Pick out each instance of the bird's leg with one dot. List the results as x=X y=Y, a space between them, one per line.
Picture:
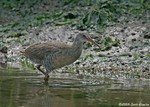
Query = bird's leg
x=46 y=75
x=38 y=67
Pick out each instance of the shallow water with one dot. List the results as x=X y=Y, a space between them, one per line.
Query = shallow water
x=26 y=89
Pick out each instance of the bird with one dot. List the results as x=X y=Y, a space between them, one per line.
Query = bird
x=54 y=55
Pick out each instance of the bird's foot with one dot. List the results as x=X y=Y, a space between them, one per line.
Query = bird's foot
x=46 y=78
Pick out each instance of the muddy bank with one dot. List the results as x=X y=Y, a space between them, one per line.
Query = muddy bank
x=125 y=50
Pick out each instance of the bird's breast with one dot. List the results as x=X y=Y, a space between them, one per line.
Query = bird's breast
x=65 y=59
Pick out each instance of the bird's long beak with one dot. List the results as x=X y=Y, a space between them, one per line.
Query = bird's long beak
x=90 y=40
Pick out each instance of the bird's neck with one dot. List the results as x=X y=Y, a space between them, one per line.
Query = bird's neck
x=76 y=48
x=77 y=45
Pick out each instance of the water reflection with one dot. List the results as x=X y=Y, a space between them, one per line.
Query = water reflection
x=24 y=89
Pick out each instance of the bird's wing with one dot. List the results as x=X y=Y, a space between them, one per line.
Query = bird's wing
x=40 y=50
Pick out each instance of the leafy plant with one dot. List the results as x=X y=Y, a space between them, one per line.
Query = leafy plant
x=108 y=43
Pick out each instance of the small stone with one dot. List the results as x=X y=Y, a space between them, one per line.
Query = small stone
x=3 y=49
x=133 y=40
x=133 y=33
x=70 y=16
x=147 y=36
x=77 y=71
x=141 y=56
x=70 y=37
x=123 y=40
x=78 y=62
x=130 y=55
x=122 y=30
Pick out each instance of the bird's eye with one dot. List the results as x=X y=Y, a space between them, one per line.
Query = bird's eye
x=84 y=36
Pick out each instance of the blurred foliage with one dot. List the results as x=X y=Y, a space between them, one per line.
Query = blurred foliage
x=107 y=43
x=148 y=55
x=102 y=13
x=14 y=35
x=82 y=14
x=26 y=63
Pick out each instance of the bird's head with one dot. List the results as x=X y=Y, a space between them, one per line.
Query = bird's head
x=83 y=37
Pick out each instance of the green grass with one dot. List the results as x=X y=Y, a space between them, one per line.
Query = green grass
x=93 y=15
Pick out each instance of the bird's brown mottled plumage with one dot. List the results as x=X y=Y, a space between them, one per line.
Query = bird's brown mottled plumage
x=53 y=55
x=39 y=51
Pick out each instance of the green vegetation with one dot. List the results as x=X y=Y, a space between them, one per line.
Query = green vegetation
x=27 y=63
x=15 y=35
x=103 y=13
x=82 y=14
x=148 y=55
x=108 y=43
